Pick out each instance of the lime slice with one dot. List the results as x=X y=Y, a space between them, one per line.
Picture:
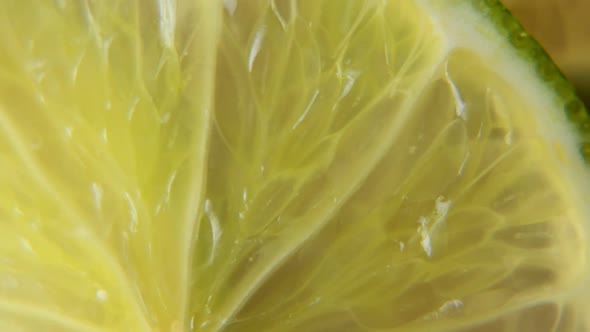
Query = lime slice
x=287 y=166
x=103 y=154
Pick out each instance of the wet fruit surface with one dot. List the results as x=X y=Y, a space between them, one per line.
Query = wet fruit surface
x=286 y=166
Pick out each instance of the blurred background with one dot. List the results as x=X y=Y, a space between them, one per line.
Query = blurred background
x=562 y=27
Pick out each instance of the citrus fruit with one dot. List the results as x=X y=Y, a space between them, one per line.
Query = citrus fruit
x=276 y=165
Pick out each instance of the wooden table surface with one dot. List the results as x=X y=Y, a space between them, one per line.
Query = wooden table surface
x=563 y=29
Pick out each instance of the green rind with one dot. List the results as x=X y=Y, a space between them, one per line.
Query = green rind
x=531 y=51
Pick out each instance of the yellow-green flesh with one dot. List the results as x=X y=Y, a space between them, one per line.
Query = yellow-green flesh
x=281 y=166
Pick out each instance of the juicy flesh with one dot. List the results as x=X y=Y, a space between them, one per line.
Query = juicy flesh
x=272 y=166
